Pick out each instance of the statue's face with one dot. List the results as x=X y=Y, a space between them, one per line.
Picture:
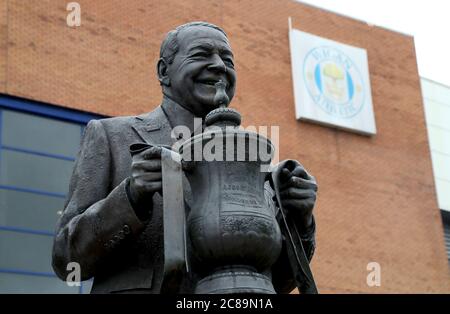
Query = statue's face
x=204 y=57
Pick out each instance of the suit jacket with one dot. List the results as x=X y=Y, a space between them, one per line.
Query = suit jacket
x=99 y=228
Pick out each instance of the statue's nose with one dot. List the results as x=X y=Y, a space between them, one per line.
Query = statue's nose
x=217 y=65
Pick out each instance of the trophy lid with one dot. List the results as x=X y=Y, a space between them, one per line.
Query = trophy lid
x=222 y=116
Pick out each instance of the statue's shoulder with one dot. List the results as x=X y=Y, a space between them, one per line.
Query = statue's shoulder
x=114 y=123
x=122 y=120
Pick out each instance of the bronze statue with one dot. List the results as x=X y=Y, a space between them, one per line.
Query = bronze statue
x=140 y=220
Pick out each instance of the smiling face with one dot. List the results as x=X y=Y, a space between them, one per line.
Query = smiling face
x=204 y=57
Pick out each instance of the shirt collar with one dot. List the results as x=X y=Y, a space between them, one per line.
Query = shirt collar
x=180 y=116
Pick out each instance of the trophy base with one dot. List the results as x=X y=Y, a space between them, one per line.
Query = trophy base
x=233 y=280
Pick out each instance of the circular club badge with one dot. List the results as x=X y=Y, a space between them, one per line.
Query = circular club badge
x=333 y=82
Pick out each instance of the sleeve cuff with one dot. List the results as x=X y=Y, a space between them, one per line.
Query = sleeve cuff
x=143 y=213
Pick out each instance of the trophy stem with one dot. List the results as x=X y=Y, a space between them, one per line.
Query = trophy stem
x=235 y=279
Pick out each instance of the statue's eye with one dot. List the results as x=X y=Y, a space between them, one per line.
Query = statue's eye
x=228 y=61
x=200 y=54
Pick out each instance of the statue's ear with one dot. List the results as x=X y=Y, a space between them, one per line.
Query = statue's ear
x=162 y=68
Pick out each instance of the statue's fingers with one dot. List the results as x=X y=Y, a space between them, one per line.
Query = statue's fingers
x=151 y=186
x=151 y=176
x=151 y=153
x=304 y=183
x=141 y=179
x=155 y=186
x=285 y=175
x=300 y=183
x=300 y=172
x=290 y=204
x=148 y=165
x=295 y=193
x=298 y=205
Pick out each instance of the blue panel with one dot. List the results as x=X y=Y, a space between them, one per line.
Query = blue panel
x=29 y=210
x=20 y=189
x=35 y=172
x=28 y=231
x=28 y=151
x=27 y=251
x=1 y=117
x=43 y=134
x=30 y=259
x=47 y=110
x=26 y=272
x=24 y=282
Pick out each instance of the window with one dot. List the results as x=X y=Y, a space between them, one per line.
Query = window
x=446 y=222
x=437 y=109
x=38 y=147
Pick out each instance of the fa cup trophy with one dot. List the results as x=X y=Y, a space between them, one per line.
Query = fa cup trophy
x=234 y=235
x=227 y=235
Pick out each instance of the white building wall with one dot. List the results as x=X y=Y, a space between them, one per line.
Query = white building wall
x=437 y=111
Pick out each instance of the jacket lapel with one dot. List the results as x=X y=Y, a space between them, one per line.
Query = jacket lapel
x=154 y=128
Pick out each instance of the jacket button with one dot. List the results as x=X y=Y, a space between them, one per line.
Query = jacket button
x=126 y=229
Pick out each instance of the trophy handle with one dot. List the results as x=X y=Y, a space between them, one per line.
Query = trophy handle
x=174 y=221
x=174 y=217
x=297 y=258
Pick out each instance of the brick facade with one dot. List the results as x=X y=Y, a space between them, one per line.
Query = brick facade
x=376 y=200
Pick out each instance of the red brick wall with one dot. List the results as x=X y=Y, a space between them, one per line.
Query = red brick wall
x=3 y=45
x=376 y=195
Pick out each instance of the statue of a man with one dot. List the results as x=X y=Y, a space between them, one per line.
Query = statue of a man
x=112 y=221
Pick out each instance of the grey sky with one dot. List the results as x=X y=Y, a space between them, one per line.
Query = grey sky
x=428 y=21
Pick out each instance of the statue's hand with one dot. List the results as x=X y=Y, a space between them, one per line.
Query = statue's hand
x=146 y=177
x=298 y=194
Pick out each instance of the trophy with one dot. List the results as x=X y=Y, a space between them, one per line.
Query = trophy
x=233 y=233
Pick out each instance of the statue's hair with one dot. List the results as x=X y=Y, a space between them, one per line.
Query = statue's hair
x=169 y=46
